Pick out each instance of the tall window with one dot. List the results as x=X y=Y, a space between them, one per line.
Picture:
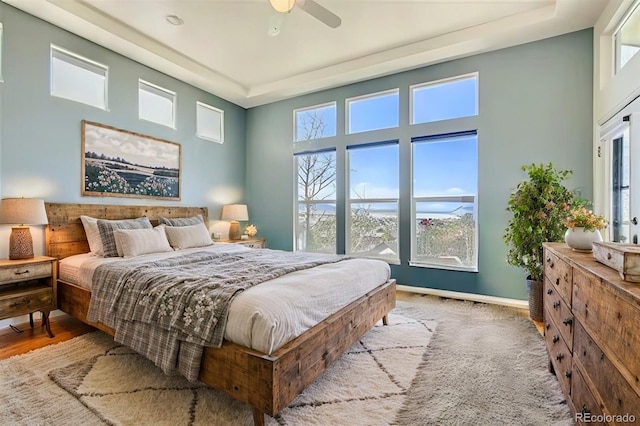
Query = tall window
x=315 y=122
x=620 y=214
x=209 y=122
x=372 y=221
x=316 y=201
x=374 y=111
x=78 y=79
x=156 y=104
x=627 y=37
x=444 y=99
x=445 y=187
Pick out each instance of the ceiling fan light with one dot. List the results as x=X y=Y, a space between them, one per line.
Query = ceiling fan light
x=282 y=6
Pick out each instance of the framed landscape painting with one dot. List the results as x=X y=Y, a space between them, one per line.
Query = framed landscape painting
x=120 y=163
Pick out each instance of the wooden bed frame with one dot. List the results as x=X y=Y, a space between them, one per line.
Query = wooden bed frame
x=266 y=382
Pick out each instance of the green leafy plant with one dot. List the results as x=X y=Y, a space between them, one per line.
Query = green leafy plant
x=581 y=217
x=539 y=206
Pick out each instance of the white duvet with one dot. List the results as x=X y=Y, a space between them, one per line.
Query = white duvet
x=270 y=314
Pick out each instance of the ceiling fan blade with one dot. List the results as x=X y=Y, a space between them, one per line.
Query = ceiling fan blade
x=319 y=12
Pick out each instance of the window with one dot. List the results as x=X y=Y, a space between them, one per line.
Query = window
x=156 y=104
x=444 y=99
x=209 y=123
x=78 y=79
x=372 y=220
x=315 y=122
x=375 y=111
x=620 y=208
x=627 y=37
x=316 y=201
x=445 y=185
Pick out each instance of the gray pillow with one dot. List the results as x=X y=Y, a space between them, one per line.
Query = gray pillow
x=106 y=228
x=181 y=221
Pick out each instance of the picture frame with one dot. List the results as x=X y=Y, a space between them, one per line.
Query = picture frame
x=122 y=163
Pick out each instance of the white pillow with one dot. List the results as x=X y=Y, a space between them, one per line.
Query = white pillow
x=183 y=237
x=134 y=242
x=90 y=225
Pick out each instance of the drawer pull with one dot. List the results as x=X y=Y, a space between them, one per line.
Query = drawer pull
x=556 y=304
x=24 y=301
x=551 y=264
x=557 y=281
x=608 y=256
x=585 y=410
x=567 y=374
x=567 y=321
x=555 y=339
x=549 y=291
x=559 y=357
x=26 y=271
x=547 y=325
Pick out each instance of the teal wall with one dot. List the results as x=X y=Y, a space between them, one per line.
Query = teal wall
x=535 y=104
x=40 y=134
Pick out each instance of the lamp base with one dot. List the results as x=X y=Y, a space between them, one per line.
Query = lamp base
x=20 y=243
x=234 y=230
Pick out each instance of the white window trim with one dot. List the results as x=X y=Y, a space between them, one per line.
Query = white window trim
x=84 y=61
x=218 y=110
x=1 y=52
x=616 y=40
x=309 y=108
x=166 y=93
x=347 y=101
x=442 y=82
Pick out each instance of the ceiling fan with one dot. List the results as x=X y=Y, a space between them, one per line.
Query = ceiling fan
x=314 y=9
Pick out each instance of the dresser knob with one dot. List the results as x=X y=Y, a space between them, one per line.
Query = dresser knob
x=559 y=357
x=585 y=410
x=567 y=374
x=556 y=304
x=557 y=281
x=549 y=291
x=567 y=321
x=555 y=339
x=547 y=325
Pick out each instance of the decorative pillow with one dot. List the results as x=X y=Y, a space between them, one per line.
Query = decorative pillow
x=183 y=237
x=90 y=225
x=106 y=228
x=134 y=242
x=181 y=221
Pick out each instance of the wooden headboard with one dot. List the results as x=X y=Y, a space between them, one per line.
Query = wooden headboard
x=65 y=234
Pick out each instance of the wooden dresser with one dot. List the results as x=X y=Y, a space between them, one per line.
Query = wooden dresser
x=592 y=332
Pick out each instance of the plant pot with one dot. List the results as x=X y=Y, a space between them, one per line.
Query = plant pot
x=534 y=289
x=580 y=240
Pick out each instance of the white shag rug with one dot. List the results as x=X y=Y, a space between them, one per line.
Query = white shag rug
x=383 y=379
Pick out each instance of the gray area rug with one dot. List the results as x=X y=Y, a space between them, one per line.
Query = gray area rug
x=438 y=362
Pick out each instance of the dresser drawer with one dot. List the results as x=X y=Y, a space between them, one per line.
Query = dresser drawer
x=12 y=274
x=587 y=409
x=26 y=301
x=559 y=354
x=559 y=273
x=557 y=311
x=614 y=391
x=612 y=323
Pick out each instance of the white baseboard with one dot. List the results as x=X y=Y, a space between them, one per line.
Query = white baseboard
x=503 y=301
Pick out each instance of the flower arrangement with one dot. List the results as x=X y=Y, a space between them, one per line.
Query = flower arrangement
x=580 y=217
x=251 y=230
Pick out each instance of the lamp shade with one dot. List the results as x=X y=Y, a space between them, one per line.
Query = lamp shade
x=282 y=5
x=23 y=211
x=235 y=212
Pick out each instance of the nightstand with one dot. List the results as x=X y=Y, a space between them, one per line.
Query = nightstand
x=259 y=243
x=28 y=286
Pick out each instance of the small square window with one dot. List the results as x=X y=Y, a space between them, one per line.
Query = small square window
x=78 y=79
x=375 y=111
x=444 y=99
x=209 y=123
x=156 y=104
x=316 y=122
x=627 y=37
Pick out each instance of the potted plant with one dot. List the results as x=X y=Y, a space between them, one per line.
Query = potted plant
x=539 y=206
x=583 y=226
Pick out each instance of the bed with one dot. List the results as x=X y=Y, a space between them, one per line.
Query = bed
x=267 y=382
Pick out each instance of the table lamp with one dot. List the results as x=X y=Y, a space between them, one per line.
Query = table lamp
x=22 y=212
x=234 y=213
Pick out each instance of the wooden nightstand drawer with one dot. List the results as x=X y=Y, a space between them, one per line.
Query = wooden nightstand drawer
x=27 y=300
x=12 y=274
x=559 y=273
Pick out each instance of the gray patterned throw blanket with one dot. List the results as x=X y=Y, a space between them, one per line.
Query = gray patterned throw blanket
x=169 y=309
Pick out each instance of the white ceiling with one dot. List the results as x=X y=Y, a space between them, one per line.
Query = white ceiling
x=223 y=46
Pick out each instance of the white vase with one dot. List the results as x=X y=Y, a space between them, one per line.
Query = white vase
x=581 y=240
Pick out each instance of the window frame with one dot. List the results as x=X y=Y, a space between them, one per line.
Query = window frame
x=441 y=82
x=349 y=201
x=461 y=198
x=79 y=61
x=199 y=134
x=1 y=52
x=161 y=92
x=347 y=111
x=310 y=108
x=617 y=45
